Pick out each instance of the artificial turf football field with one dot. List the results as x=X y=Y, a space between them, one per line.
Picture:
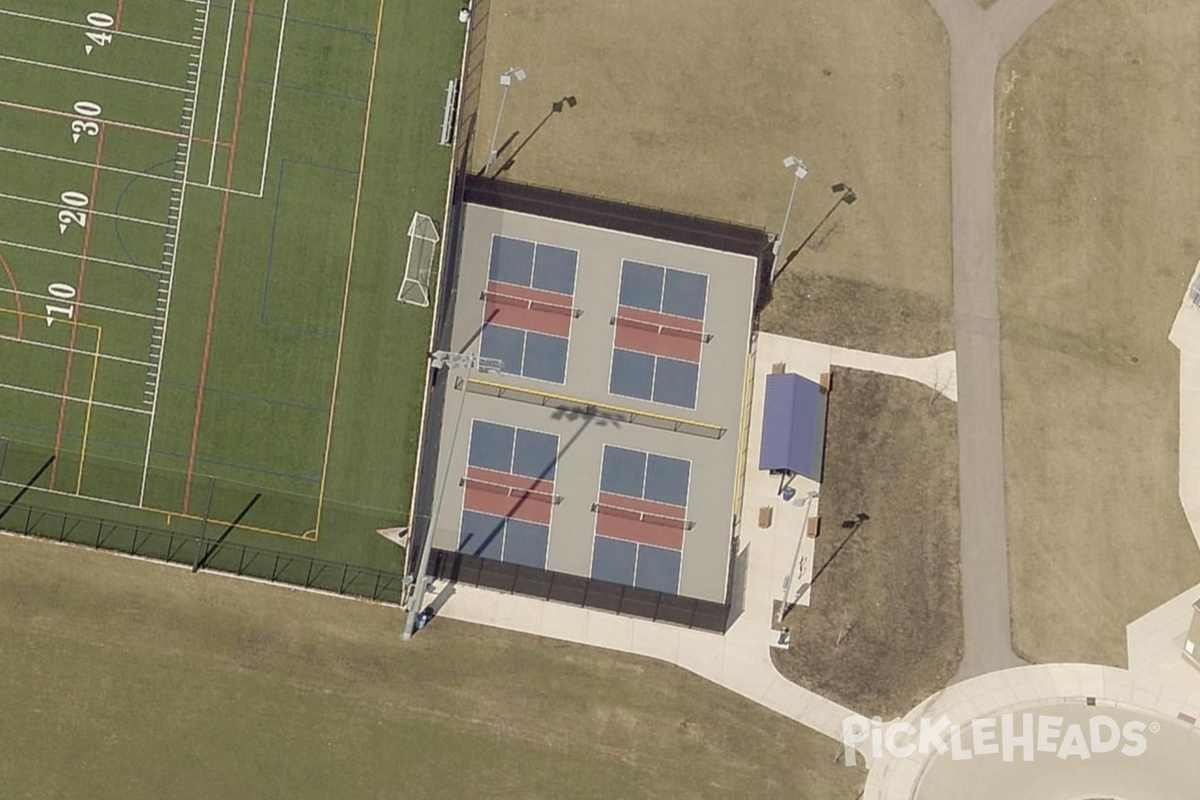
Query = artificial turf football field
x=203 y=218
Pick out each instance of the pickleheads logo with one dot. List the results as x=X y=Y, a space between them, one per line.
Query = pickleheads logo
x=1043 y=735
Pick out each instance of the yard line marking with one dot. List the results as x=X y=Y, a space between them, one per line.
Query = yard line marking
x=262 y=181
x=83 y=259
x=68 y=115
x=16 y=292
x=65 y=254
x=87 y=420
x=212 y=162
x=72 y=350
x=69 y=24
x=238 y=192
x=91 y=306
x=216 y=280
x=102 y=167
x=68 y=398
x=337 y=365
x=155 y=333
x=106 y=76
x=33 y=201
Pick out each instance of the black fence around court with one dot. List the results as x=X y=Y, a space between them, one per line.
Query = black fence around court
x=188 y=549
x=579 y=591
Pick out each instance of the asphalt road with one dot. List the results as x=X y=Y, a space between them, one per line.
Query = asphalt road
x=978 y=40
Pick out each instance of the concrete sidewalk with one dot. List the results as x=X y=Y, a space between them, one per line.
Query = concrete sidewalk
x=740 y=660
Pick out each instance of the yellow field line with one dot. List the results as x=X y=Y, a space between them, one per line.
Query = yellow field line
x=87 y=420
x=590 y=404
x=337 y=365
x=42 y=317
x=225 y=522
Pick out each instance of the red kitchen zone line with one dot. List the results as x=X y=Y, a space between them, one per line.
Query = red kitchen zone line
x=641 y=521
x=506 y=495
x=659 y=334
x=528 y=309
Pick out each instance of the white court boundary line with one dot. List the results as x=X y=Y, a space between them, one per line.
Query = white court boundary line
x=77 y=256
x=187 y=161
x=104 y=75
x=101 y=167
x=69 y=24
x=60 y=397
x=262 y=181
x=105 y=214
x=91 y=306
x=74 y=351
x=212 y=162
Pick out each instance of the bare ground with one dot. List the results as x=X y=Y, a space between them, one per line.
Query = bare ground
x=1098 y=130
x=892 y=594
x=694 y=109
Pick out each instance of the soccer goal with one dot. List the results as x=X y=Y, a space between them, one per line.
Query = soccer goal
x=422 y=246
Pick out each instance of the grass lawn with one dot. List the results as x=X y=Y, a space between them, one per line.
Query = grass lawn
x=892 y=594
x=1099 y=191
x=694 y=110
x=218 y=296
x=131 y=680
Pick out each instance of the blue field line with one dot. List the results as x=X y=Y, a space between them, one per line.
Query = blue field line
x=117 y=222
x=245 y=396
x=262 y=318
x=369 y=36
x=294 y=88
x=314 y=478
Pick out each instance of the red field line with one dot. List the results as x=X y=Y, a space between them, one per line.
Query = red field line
x=16 y=295
x=87 y=238
x=212 y=298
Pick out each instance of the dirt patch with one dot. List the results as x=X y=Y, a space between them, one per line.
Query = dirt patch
x=885 y=627
x=1099 y=192
x=694 y=110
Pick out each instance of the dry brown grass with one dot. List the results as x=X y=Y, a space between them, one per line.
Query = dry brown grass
x=693 y=109
x=1098 y=113
x=895 y=585
x=120 y=677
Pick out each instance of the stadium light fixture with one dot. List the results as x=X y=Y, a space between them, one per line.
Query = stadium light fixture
x=797 y=167
x=506 y=79
x=451 y=362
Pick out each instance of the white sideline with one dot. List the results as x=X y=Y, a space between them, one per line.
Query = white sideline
x=173 y=247
x=262 y=181
x=212 y=161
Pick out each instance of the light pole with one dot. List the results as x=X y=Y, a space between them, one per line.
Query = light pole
x=506 y=81
x=787 y=579
x=797 y=167
x=451 y=362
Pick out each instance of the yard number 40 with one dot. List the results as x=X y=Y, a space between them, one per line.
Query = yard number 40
x=100 y=36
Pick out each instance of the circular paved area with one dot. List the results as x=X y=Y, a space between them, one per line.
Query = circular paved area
x=1169 y=769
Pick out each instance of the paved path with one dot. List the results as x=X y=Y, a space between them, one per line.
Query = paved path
x=978 y=40
x=1050 y=687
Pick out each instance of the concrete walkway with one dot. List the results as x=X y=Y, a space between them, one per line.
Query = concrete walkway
x=1048 y=686
x=978 y=41
x=740 y=660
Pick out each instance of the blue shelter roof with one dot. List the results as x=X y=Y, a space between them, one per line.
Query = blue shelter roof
x=793 y=437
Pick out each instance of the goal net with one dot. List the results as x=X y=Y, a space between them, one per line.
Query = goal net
x=422 y=246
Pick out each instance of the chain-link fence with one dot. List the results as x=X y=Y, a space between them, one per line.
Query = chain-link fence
x=199 y=552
